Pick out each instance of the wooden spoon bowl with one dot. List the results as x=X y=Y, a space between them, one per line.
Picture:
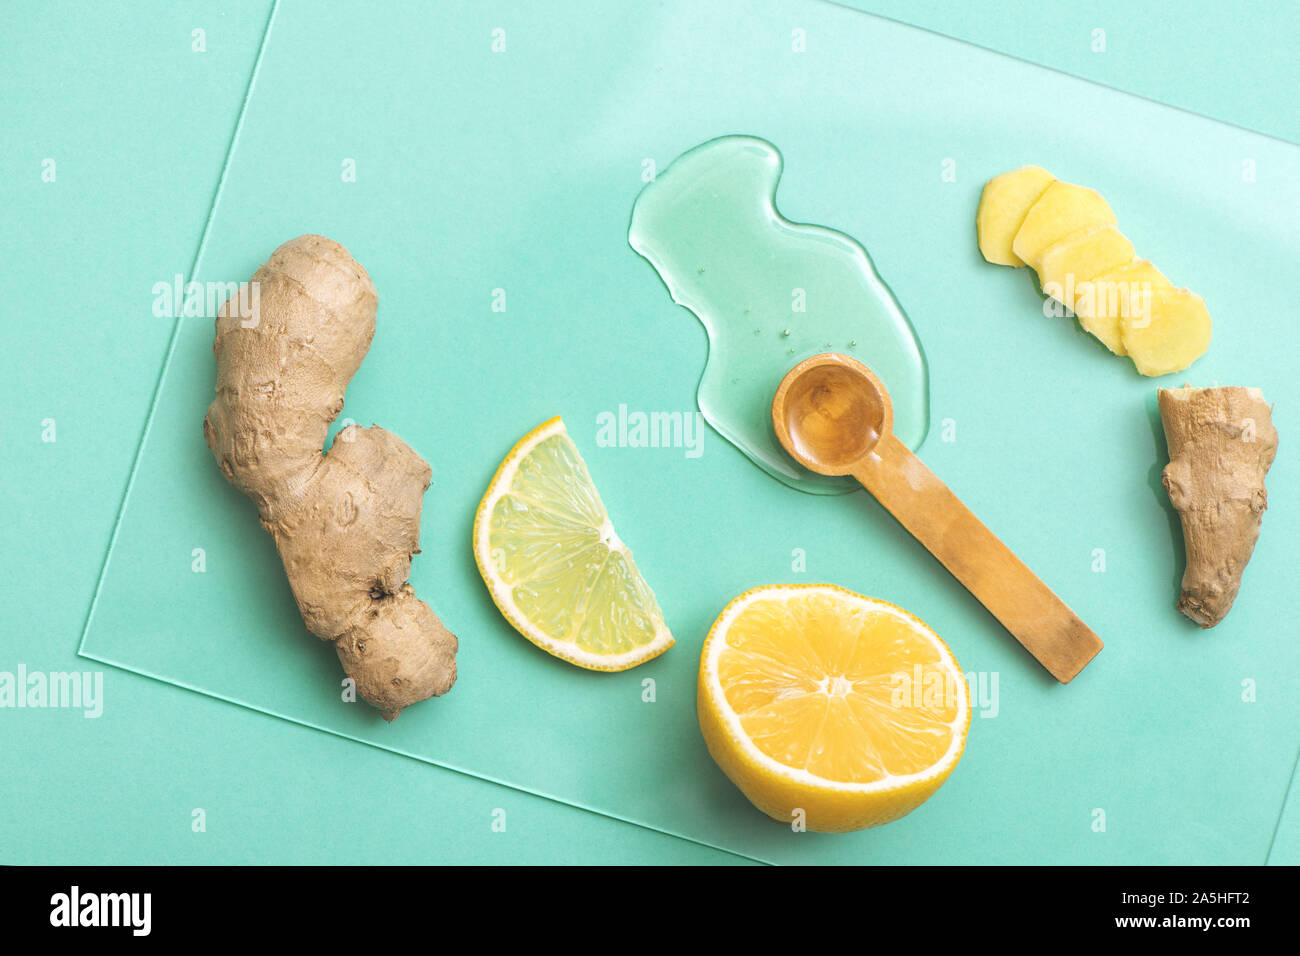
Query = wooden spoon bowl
x=832 y=413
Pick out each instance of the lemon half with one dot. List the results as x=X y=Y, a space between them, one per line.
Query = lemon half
x=830 y=708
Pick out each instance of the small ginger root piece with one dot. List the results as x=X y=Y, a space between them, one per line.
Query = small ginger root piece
x=346 y=522
x=1003 y=205
x=1221 y=444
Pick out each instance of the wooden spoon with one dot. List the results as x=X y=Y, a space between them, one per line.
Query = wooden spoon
x=834 y=416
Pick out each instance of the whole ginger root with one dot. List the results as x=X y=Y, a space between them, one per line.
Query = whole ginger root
x=346 y=523
x=1221 y=444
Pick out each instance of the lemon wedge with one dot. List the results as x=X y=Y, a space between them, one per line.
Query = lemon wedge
x=554 y=565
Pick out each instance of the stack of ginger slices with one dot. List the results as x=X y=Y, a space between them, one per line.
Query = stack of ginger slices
x=1068 y=234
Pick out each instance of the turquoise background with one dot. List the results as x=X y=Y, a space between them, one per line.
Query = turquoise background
x=149 y=185
x=1232 y=61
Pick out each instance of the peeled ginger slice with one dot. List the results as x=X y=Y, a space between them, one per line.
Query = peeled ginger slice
x=1062 y=211
x=1102 y=301
x=1003 y=205
x=1169 y=334
x=1068 y=264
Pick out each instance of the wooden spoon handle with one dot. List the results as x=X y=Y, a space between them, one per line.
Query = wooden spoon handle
x=1027 y=607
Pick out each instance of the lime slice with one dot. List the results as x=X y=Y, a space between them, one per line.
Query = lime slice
x=554 y=565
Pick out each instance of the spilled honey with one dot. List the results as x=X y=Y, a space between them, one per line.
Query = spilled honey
x=770 y=293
